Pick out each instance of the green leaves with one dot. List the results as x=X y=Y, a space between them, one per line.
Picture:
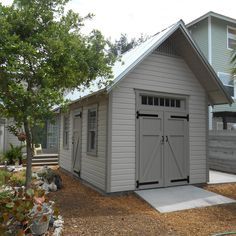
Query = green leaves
x=43 y=54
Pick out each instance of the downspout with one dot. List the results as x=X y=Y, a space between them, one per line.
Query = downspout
x=210 y=62
x=210 y=114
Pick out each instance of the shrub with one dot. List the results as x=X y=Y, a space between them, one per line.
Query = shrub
x=14 y=154
x=19 y=211
x=4 y=177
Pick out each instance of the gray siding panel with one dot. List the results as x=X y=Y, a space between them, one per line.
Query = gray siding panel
x=92 y=167
x=65 y=155
x=220 y=54
x=172 y=75
x=199 y=33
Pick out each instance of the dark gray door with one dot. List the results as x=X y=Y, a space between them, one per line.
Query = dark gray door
x=150 y=149
x=77 y=125
x=175 y=148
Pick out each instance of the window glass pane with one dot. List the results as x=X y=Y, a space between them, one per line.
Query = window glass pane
x=162 y=101
x=156 y=102
x=232 y=38
x=144 y=100
x=167 y=100
x=232 y=43
x=92 y=130
x=92 y=140
x=177 y=103
x=232 y=32
x=230 y=90
x=150 y=100
x=172 y=102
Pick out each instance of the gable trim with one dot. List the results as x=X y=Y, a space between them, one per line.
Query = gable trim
x=143 y=56
x=216 y=15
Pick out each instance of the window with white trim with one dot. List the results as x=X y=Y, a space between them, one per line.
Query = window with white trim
x=161 y=101
x=66 y=132
x=92 y=131
x=228 y=82
x=231 y=37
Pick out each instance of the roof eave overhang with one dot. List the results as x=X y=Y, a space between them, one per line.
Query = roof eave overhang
x=208 y=66
x=143 y=56
x=213 y=14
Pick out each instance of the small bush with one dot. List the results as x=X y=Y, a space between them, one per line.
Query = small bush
x=14 y=154
x=4 y=177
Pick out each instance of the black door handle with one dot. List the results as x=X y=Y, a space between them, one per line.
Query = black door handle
x=167 y=139
x=162 y=139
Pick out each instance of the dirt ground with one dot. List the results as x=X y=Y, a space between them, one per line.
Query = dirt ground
x=87 y=212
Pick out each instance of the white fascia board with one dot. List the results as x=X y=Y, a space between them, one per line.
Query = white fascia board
x=216 y=15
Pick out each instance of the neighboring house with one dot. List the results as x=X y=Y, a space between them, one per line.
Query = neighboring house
x=6 y=138
x=47 y=137
x=149 y=127
x=215 y=35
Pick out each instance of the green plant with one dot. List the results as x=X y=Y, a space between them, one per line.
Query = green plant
x=4 y=177
x=14 y=154
x=17 y=181
x=19 y=211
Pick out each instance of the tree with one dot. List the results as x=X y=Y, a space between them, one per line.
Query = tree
x=123 y=44
x=43 y=54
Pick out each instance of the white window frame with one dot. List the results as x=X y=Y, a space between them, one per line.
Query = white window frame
x=233 y=28
x=66 y=131
x=93 y=151
x=218 y=74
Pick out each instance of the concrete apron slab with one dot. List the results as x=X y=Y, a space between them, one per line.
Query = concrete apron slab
x=181 y=198
x=217 y=177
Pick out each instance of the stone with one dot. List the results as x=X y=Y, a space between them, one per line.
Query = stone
x=58 y=181
x=45 y=187
x=52 y=187
x=39 y=183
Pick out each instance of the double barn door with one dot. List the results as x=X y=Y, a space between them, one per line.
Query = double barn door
x=163 y=149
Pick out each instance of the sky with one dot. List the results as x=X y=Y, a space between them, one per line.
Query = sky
x=148 y=17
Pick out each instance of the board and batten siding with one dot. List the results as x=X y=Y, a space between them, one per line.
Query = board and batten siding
x=199 y=32
x=158 y=73
x=93 y=168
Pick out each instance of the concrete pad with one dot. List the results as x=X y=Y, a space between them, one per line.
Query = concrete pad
x=217 y=177
x=181 y=198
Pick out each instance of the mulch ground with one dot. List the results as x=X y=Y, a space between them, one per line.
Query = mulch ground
x=87 y=212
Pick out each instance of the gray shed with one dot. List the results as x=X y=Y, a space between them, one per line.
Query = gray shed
x=148 y=129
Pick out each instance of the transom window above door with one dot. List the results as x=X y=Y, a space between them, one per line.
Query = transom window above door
x=161 y=101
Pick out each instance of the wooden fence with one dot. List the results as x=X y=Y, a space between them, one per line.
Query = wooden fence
x=222 y=151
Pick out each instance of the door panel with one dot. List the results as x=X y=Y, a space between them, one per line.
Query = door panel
x=151 y=151
x=176 y=149
x=77 y=143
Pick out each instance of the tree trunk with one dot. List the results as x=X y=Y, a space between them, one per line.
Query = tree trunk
x=29 y=151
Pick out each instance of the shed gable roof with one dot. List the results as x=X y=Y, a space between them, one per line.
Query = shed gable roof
x=186 y=48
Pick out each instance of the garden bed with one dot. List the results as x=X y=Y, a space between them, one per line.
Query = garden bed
x=87 y=212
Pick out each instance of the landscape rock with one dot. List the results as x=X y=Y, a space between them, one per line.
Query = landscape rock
x=58 y=181
x=52 y=187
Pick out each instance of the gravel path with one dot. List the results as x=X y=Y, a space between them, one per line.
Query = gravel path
x=87 y=212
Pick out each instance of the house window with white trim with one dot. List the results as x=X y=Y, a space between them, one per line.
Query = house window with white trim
x=228 y=82
x=66 y=132
x=92 y=131
x=231 y=37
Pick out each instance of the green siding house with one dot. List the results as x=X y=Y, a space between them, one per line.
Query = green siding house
x=215 y=36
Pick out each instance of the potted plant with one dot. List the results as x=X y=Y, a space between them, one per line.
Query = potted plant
x=41 y=215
